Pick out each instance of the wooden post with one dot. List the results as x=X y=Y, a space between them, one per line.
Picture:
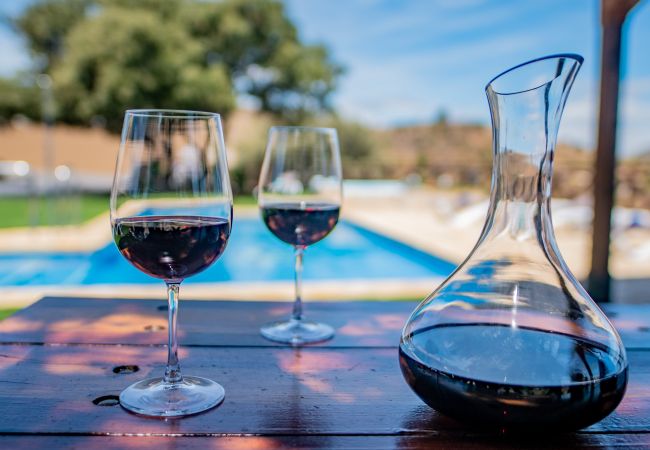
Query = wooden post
x=613 y=14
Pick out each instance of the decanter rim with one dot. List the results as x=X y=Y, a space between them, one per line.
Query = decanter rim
x=574 y=56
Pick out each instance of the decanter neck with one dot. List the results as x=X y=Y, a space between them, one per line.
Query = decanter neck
x=521 y=192
x=525 y=122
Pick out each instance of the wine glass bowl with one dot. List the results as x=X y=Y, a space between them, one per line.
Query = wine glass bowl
x=299 y=224
x=300 y=197
x=190 y=243
x=171 y=215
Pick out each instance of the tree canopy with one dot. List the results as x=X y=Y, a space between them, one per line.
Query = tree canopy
x=105 y=56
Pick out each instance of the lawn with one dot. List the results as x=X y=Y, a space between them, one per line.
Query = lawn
x=7 y=312
x=61 y=210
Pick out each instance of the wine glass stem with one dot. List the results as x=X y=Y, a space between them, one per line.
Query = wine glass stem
x=297 y=305
x=173 y=370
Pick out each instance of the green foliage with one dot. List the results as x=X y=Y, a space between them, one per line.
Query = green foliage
x=108 y=55
x=260 y=47
x=441 y=119
x=359 y=155
x=18 y=97
x=356 y=140
x=46 y=25
x=122 y=59
x=4 y=313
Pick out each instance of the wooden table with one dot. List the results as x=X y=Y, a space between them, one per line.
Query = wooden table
x=63 y=361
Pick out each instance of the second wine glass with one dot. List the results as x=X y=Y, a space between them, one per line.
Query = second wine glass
x=300 y=192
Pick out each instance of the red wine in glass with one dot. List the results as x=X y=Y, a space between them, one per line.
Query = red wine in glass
x=300 y=224
x=555 y=382
x=171 y=247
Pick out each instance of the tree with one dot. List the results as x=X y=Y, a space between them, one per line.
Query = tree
x=106 y=55
x=442 y=119
x=17 y=97
x=260 y=46
x=359 y=155
x=120 y=59
x=45 y=26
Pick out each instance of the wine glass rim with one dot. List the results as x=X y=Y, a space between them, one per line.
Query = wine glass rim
x=574 y=56
x=303 y=128
x=172 y=113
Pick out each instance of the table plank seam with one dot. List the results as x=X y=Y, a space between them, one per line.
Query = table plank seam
x=99 y=344
x=229 y=346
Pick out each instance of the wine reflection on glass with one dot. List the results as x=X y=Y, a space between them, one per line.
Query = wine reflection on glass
x=300 y=192
x=171 y=214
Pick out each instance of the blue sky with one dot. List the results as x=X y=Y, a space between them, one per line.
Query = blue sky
x=408 y=59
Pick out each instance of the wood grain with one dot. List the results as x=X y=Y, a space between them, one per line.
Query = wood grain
x=60 y=354
x=280 y=391
x=208 y=323
x=142 y=322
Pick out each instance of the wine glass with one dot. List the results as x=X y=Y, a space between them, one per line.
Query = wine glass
x=171 y=214
x=300 y=198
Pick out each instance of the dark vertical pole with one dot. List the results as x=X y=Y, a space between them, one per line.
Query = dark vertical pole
x=613 y=13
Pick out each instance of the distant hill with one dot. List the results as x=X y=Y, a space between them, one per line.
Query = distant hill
x=462 y=154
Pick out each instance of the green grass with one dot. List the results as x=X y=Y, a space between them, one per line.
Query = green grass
x=59 y=210
x=245 y=200
x=68 y=210
x=4 y=313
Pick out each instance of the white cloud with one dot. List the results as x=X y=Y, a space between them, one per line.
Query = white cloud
x=413 y=86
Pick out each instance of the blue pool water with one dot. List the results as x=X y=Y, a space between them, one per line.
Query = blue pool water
x=253 y=254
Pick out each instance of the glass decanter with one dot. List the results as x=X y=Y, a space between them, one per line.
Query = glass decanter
x=511 y=339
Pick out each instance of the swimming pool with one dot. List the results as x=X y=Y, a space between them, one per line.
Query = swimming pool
x=252 y=255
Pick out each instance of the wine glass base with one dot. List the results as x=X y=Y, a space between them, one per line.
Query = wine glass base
x=154 y=397
x=297 y=332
